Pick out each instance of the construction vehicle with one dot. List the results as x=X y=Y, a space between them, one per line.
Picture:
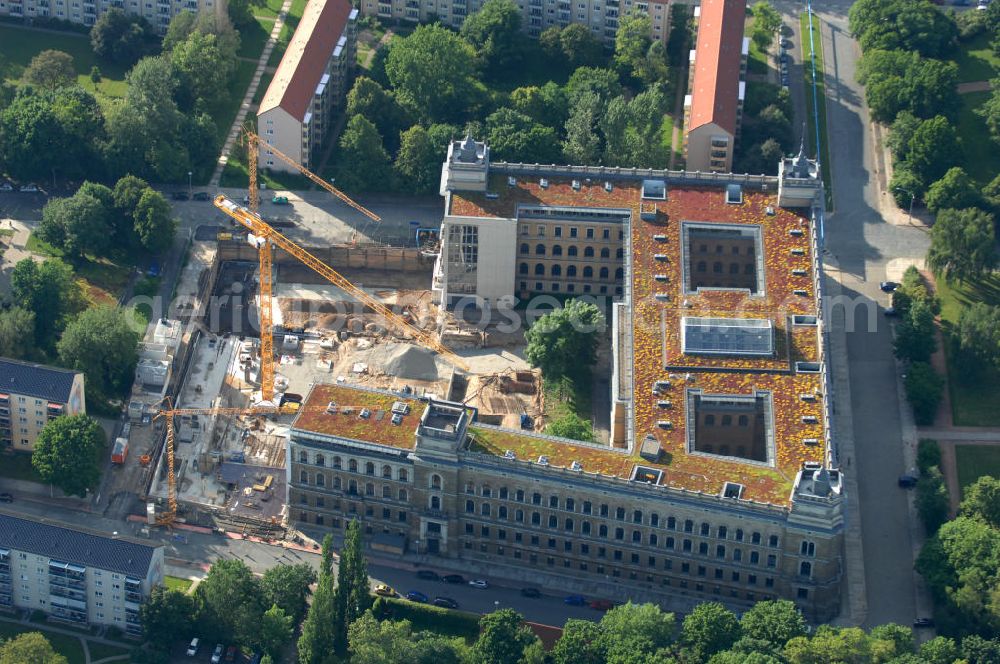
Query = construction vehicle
x=263 y=236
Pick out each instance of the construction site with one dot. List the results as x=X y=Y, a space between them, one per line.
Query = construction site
x=227 y=394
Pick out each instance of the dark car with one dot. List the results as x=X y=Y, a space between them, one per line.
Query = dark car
x=907 y=481
x=427 y=575
x=453 y=578
x=575 y=600
x=602 y=604
x=445 y=603
x=416 y=596
x=201 y=196
x=179 y=195
x=6 y=498
x=888 y=286
x=786 y=43
x=923 y=622
x=533 y=593
x=231 y=653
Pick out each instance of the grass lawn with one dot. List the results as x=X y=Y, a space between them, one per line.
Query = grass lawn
x=68 y=646
x=973 y=402
x=100 y=651
x=974 y=461
x=441 y=621
x=237 y=89
x=820 y=100
x=757 y=62
x=268 y=8
x=982 y=158
x=568 y=396
x=254 y=36
x=17 y=466
x=177 y=583
x=19 y=45
x=976 y=60
x=287 y=30
x=235 y=175
x=101 y=279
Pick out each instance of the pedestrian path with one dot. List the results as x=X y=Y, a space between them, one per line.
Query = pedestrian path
x=234 y=130
x=974 y=86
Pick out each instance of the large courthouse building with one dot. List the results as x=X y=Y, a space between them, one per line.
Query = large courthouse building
x=720 y=479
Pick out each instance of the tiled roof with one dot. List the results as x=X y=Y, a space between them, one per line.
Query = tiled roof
x=377 y=428
x=718 y=51
x=69 y=544
x=304 y=62
x=36 y=380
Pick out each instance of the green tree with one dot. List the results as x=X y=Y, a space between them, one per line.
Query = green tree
x=102 y=342
x=370 y=100
x=583 y=144
x=708 y=629
x=126 y=195
x=503 y=638
x=565 y=339
x=602 y=82
x=79 y=225
x=228 y=602
x=495 y=32
x=905 y=25
x=897 y=81
x=433 y=74
x=954 y=190
x=916 y=338
x=939 y=650
x=579 y=644
x=418 y=163
x=924 y=388
x=766 y=21
x=633 y=43
x=906 y=186
x=546 y=105
x=962 y=244
x=364 y=162
x=990 y=111
x=902 y=130
x=515 y=137
x=51 y=69
x=991 y=192
x=981 y=499
x=120 y=37
x=977 y=340
x=202 y=70
x=166 y=614
x=273 y=631
x=240 y=13
x=773 y=621
x=928 y=454
x=316 y=644
x=572 y=426
x=17 y=333
x=934 y=148
x=579 y=46
x=29 y=648
x=65 y=453
x=635 y=630
x=380 y=642
x=154 y=226
x=896 y=640
x=288 y=587
x=50 y=291
x=359 y=598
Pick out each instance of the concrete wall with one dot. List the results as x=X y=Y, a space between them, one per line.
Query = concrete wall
x=699 y=148
x=496 y=266
x=280 y=129
x=87 y=15
x=400 y=259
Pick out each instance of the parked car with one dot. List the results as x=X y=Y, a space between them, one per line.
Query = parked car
x=416 y=596
x=575 y=600
x=383 y=590
x=201 y=196
x=907 y=481
x=923 y=622
x=784 y=58
x=179 y=195
x=28 y=188
x=231 y=653
x=533 y=593
x=217 y=653
x=427 y=575
x=6 y=498
x=280 y=200
x=193 y=647
x=453 y=578
x=786 y=43
x=445 y=603
x=888 y=286
x=6 y=186
x=482 y=584
x=602 y=604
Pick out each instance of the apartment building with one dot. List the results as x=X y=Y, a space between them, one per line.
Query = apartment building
x=75 y=575
x=601 y=16
x=30 y=396
x=157 y=12
x=713 y=107
x=296 y=113
x=720 y=480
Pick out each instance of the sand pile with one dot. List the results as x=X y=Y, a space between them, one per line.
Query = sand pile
x=402 y=361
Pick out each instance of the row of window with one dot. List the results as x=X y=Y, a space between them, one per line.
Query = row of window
x=571 y=271
x=719 y=268
x=353 y=466
x=572 y=250
x=556 y=287
x=557 y=231
x=352 y=488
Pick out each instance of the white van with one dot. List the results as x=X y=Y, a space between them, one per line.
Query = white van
x=193 y=648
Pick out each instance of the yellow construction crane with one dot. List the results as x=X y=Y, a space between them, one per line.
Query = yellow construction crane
x=263 y=235
x=167 y=414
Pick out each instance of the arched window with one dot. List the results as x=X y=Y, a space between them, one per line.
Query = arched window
x=570 y=505
x=539 y=269
x=525 y=248
x=636 y=536
x=320 y=460
x=536 y=519
x=403 y=475
x=671 y=523
x=336 y=483
x=805 y=568
x=369 y=489
x=588 y=272
x=387 y=472
x=519 y=516
x=588 y=252
x=303 y=457
x=620 y=513
x=539 y=249
x=568 y=524
x=304 y=477
x=602 y=531
x=435 y=481
x=717 y=267
x=352 y=466
x=571 y=250
x=435 y=502
x=620 y=253
x=653 y=539
x=470 y=488
x=553 y=521
x=605 y=253
x=336 y=462
x=619 y=274
x=604 y=273
x=585 y=527
x=502 y=512
x=352 y=488
x=484 y=509
x=386 y=491
x=536 y=499
x=702 y=266
x=523 y=268
x=727 y=420
x=402 y=495
x=570 y=270
x=744 y=420
x=320 y=479
x=369 y=468
x=556 y=270
x=557 y=250
x=637 y=516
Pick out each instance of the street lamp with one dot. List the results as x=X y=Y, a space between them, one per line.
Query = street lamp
x=909 y=213
x=189 y=184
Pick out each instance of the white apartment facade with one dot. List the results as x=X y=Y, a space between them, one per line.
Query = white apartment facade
x=310 y=82
x=86 y=12
x=30 y=396
x=76 y=576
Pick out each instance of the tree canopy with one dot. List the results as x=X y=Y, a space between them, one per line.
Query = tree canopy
x=904 y=25
x=102 y=342
x=65 y=453
x=565 y=339
x=120 y=37
x=51 y=69
x=50 y=291
x=495 y=32
x=228 y=602
x=897 y=81
x=962 y=244
x=954 y=190
x=29 y=648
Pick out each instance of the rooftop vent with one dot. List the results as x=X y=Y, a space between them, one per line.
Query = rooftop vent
x=511 y=181
x=365 y=414
x=661 y=385
x=543 y=460
x=808 y=396
x=660 y=238
x=660 y=257
x=509 y=454
x=576 y=465
x=810 y=419
x=812 y=442
x=799 y=273
x=650 y=449
x=608 y=187
x=660 y=277
x=734 y=194
x=543 y=183
x=732 y=490
x=492 y=195
x=662 y=297
x=397 y=418
x=331 y=408
x=804 y=320
x=811 y=466
x=663 y=404
x=665 y=424
x=654 y=189
x=800 y=292
x=795 y=232
x=807 y=367
x=769 y=210
x=400 y=407
x=798 y=252
x=576 y=185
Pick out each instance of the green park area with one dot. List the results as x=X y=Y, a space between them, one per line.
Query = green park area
x=68 y=646
x=974 y=461
x=982 y=156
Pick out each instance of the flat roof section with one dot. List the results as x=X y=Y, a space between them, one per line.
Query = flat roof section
x=727 y=336
x=359 y=414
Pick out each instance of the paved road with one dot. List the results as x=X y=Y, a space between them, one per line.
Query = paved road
x=862 y=244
